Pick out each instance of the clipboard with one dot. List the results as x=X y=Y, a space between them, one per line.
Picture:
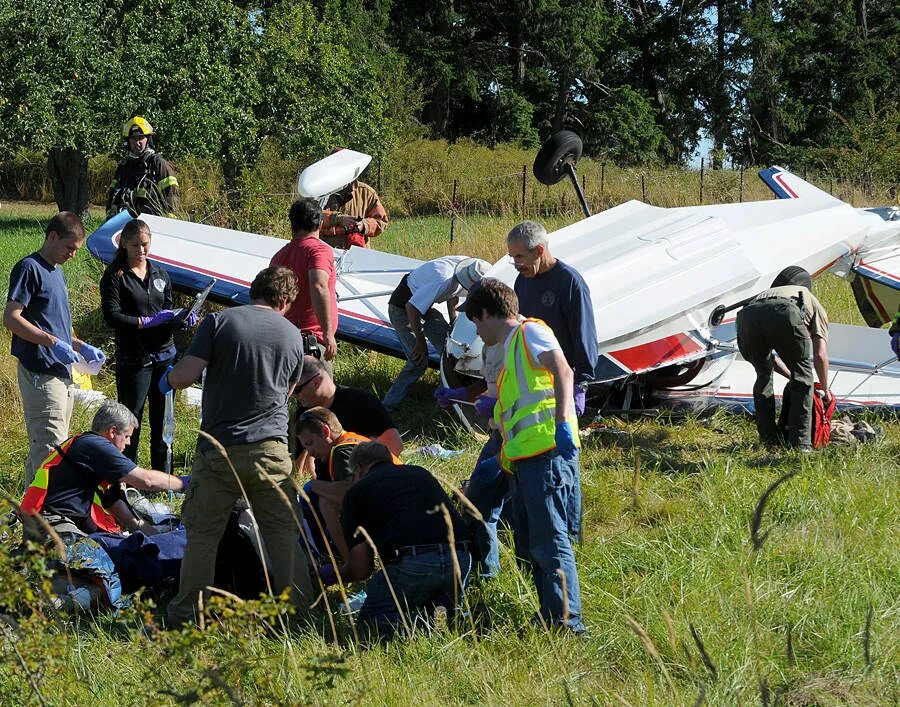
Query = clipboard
x=199 y=299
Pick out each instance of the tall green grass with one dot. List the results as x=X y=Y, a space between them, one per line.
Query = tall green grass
x=667 y=548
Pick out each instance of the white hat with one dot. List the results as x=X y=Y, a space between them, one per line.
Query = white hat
x=469 y=272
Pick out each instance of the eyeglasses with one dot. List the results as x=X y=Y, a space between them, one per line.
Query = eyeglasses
x=305 y=383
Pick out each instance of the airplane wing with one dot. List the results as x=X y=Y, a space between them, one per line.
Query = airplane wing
x=875 y=273
x=193 y=254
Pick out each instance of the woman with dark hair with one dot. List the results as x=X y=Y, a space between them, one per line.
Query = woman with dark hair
x=136 y=298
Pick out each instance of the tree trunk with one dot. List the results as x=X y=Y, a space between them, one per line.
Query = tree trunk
x=562 y=99
x=437 y=112
x=719 y=121
x=68 y=170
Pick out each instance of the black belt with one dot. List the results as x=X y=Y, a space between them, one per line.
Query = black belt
x=413 y=550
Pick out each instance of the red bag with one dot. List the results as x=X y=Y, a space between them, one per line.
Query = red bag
x=822 y=414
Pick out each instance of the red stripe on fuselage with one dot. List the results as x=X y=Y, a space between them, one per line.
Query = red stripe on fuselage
x=640 y=358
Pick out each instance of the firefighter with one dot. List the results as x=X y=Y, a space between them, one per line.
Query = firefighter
x=144 y=182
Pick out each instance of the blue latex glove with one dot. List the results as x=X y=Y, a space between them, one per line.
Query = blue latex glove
x=484 y=406
x=163 y=316
x=91 y=353
x=579 y=401
x=164 y=386
x=895 y=344
x=328 y=575
x=444 y=396
x=186 y=481
x=64 y=352
x=565 y=440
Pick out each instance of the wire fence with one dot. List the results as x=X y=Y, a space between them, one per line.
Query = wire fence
x=452 y=182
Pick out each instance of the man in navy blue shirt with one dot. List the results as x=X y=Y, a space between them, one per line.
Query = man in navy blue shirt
x=550 y=290
x=554 y=292
x=37 y=314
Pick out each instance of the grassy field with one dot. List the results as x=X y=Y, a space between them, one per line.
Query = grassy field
x=682 y=609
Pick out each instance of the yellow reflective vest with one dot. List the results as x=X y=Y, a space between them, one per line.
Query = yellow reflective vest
x=526 y=404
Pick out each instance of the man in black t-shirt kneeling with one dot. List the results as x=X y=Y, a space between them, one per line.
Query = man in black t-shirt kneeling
x=418 y=534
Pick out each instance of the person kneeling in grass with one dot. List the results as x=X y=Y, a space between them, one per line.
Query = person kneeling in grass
x=403 y=511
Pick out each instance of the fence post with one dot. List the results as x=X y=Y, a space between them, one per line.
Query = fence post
x=524 y=184
x=702 y=170
x=602 y=180
x=453 y=209
x=643 y=190
x=741 y=197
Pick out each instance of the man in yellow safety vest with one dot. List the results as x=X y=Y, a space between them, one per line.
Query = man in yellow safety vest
x=540 y=446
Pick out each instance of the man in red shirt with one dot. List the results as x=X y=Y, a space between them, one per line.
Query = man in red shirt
x=315 y=309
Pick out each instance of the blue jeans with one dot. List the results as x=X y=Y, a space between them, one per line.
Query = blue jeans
x=542 y=489
x=488 y=489
x=419 y=580
x=435 y=328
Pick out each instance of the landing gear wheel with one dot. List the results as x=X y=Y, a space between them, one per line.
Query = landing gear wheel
x=561 y=148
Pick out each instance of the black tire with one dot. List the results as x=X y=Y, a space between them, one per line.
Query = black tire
x=562 y=148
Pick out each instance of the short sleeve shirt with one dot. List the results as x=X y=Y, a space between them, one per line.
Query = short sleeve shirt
x=814 y=315
x=41 y=289
x=90 y=460
x=539 y=339
x=432 y=283
x=254 y=356
x=395 y=505
x=302 y=255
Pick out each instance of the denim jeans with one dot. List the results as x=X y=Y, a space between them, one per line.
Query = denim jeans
x=487 y=489
x=542 y=489
x=435 y=328
x=420 y=581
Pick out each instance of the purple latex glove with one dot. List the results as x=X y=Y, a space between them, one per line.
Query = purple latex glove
x=484 y=406
x=579 y=401
x=445 y=396
x=895 y=344
x=91 y=353
x=565 y=440
x=164 y=386
x=64 y=352
x=163 y=316
x=190 y=321
x=328 y=575
x=186 y=481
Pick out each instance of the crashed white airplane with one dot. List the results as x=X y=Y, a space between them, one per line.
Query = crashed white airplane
x=660 y=279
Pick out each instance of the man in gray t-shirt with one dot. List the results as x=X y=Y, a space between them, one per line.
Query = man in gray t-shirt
x=253 y=357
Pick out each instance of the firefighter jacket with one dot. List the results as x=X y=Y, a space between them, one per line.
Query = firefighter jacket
x=143 y=184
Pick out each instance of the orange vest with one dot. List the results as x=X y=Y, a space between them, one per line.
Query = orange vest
x=36 y=494
x=352 y=439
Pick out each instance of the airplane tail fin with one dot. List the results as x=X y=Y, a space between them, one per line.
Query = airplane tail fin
x=786 y=185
